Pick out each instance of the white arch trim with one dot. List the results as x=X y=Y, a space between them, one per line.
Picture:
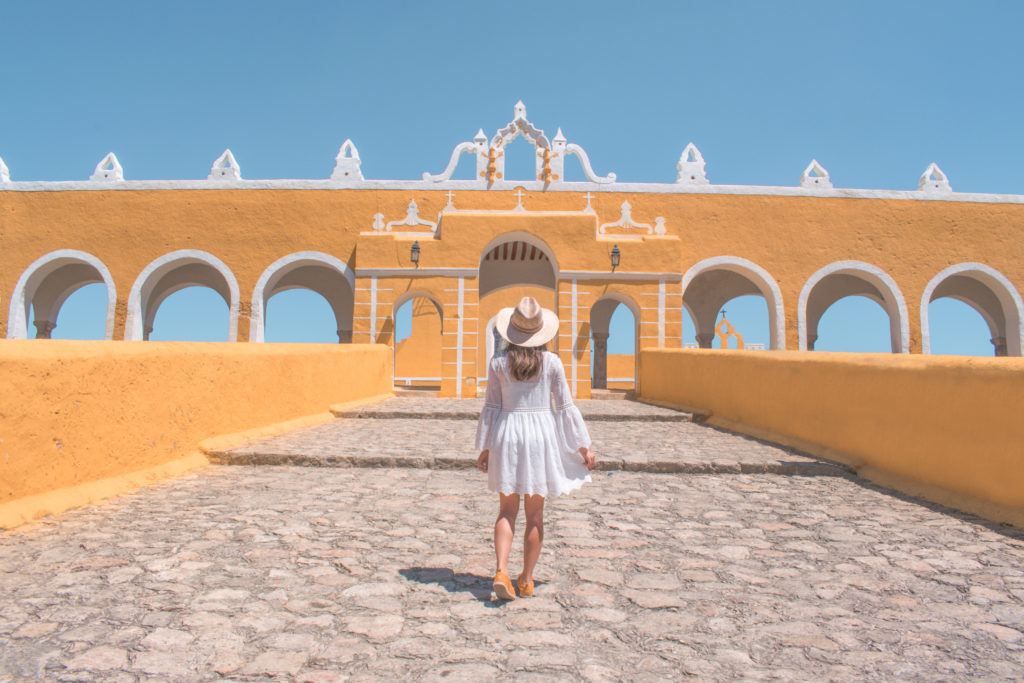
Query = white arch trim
x=623 y=299
x=17 y=318
x=278 y=269
x=870 y=273
x=519 y=236
x=133 y=325
x=761 y=278
x=1007 y=294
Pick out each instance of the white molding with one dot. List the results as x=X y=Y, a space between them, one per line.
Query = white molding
x=17 y=318
x=573 y=336
x=661 y=313
x=419 y=272
x=459 y=344
x=133 y=330
x=373 y=310
x=617 y=275
x=1008 y=296
x=258 y=326
x=875 y=276
x=529 y=185
x=760 y=278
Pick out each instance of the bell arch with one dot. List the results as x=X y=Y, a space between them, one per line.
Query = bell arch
x=852 y=278
x=48 y=282
x=987 y=291
x=709 y=284
x=328 y=276
x=173 y=272
x=600 y=320
x=514 y=259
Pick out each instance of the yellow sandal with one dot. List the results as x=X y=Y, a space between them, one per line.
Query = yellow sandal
x=503 y=586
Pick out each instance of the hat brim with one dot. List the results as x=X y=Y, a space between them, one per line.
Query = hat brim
x=547 y=331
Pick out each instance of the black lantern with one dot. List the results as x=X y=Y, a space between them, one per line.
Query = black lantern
x=414 y=253
x=616 y=256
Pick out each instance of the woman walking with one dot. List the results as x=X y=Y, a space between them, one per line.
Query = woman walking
x=531 y=437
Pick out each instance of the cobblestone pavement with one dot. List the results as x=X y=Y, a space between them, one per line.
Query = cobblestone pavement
x=321 y=574
x=627 y=435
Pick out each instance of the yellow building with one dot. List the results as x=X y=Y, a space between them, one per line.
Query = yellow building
x=463 y=249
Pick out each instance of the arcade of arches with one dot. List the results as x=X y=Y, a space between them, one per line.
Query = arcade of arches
x=684 y=249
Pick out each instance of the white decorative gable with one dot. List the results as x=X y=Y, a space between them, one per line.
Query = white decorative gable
x=934 y=180
x=225 y=168
x=490 y=157
x=691 y=167
x=412 y=220
x=626 y=222
x=346 y=164
x=109 y=169
x=5 y=175
x=815 y=176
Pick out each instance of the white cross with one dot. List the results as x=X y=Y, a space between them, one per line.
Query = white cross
x=588 y=197
x=519 y=194
x=451 y=196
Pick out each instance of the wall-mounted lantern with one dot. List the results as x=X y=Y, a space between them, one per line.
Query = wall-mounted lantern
x=616 y=257
x=414 y=253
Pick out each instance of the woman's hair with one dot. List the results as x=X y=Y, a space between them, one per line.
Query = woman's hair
x=524 y=362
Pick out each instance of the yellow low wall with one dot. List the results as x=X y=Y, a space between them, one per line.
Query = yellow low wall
x=941 y=427
x=83 y=420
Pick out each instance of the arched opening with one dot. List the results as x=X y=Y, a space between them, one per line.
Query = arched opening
x=82 y=315
x=984 y=291
x=194 y=313
x=45 y=287
x=614 y=332
x=749 y=317
x=300 y=316
x=318 y=273
x=856 y=324
x=512 y=266
x=173 y=273
x=852 y=320
x=713 y=283
x=419 y=326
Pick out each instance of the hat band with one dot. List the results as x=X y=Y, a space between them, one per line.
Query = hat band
x=527 y=325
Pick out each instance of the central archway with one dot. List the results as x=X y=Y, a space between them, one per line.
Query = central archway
x=324 y=274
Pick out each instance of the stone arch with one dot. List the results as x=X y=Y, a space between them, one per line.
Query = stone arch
x=48 y=282
x=987 y=291
x=852 y=278
x=517 y=258
x=600 y=319
x=328 y=276
x=709 y=284
x=173 y=272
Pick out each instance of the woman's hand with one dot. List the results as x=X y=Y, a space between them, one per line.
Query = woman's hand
x=481 y=462
x=589 y=459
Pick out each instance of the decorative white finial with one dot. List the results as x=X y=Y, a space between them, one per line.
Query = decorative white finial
x=815 y=176
x=346 y=164
x=225 y=168
x=559 y=139
x=934 y=180
x=5 y=175
x=480 y=138
x=519 y=111
x=108 y=169
x=691 y=167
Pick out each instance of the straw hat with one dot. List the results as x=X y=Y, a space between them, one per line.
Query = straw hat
x=527 y=324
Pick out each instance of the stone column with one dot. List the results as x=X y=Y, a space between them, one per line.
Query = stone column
x=146 y=331
x=45 y=327
x=998 y=342
x=344 y=336
x=704 y=339
x=811 y=338
x=600 y=359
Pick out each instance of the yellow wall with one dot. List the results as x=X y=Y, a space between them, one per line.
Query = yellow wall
x=78 y=412
x=946 y=427
x=419 y=354
x=621 y=365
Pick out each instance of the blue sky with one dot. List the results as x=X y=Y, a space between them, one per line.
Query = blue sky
x=873 y=90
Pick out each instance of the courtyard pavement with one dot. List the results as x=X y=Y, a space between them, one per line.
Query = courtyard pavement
x=273 y=572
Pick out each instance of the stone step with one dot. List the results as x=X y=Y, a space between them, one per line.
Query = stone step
x=663 y=447
x=612 y=394
x=412 y=407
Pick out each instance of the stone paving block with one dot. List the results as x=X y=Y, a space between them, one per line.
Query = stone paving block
x=298 y=573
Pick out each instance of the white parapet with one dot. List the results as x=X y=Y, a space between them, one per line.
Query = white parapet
x=108 y=170
x=225 y=168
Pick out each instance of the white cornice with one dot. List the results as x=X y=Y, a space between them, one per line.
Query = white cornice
x=609 y=275
x=533 y=186
x=416 y=272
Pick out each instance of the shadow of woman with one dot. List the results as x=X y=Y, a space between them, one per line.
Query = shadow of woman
x=477 y=586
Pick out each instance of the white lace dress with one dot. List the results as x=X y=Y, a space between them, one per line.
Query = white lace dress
x=534 y=442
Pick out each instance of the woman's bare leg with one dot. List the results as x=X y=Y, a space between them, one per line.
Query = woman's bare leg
x=505 y=529
x=534 y=537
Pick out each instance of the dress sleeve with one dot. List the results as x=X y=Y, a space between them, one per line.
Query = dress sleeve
x=491 y=410
x=572 y=432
